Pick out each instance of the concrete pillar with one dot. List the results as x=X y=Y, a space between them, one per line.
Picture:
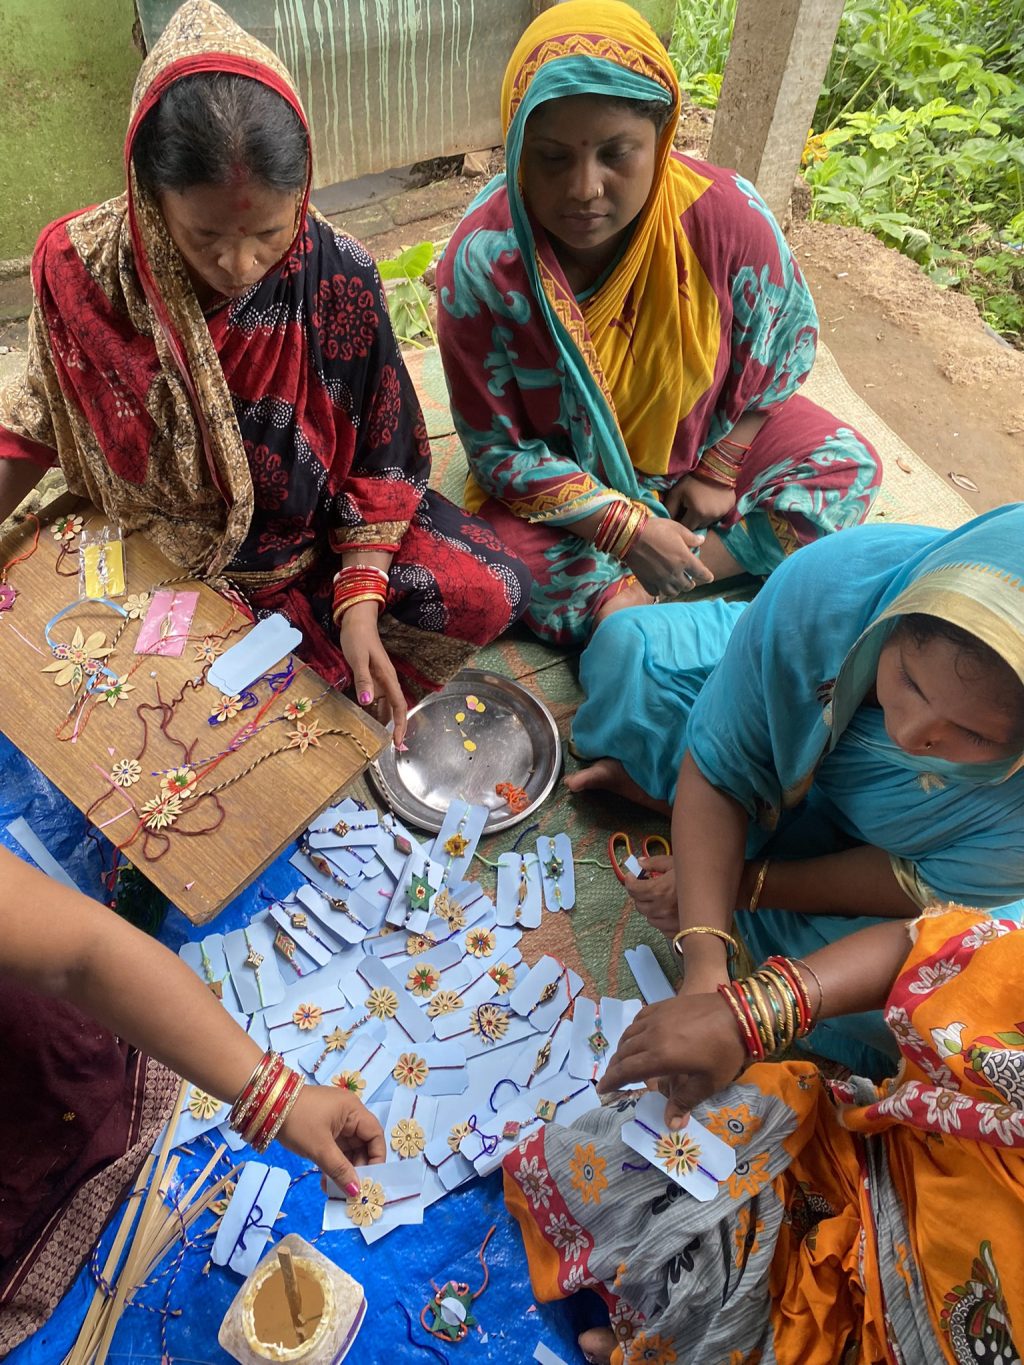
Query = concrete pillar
x=777 y=62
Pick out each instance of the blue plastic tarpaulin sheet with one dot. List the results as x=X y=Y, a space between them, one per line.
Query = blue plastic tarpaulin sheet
x=177 y=1316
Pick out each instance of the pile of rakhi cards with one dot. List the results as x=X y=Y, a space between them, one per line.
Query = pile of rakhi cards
x=392 y=974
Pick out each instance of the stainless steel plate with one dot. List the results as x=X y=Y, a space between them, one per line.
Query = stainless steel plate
x=516 y=741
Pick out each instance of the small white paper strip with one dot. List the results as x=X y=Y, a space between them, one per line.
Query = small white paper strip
x=652 y=982
x=472 y=820
x=614 y=1018
x=22 y=831
x=519 y=899
x=398 y=1180
x=560 y=891
x=248 y=1222
x=265 y=645
x=714 y=1159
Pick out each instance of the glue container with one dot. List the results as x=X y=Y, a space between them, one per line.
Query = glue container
x=259 y=1325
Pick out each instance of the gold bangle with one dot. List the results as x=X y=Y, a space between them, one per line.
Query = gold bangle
x=730 y=943
x=799 y=961
x=755 y=897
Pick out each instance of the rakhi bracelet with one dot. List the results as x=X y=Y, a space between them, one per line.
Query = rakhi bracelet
x=676 y=1151
x=254 y=959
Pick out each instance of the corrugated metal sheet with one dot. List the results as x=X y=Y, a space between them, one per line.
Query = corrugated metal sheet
x=385 y=82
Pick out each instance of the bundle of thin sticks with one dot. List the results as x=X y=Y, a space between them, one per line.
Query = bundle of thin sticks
x=158 y=1229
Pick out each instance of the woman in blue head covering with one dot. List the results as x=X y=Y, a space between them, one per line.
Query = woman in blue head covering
x=848 y=746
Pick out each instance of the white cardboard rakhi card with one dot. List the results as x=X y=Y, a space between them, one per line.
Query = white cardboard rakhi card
x=415 y=1107
x=457 y=839
x=596 y=1034
x=519 y=898
x=495 y=1134
x=477 y=981
x=446 y=1064
x=545 y=993
x=350 y=866
x=331 y=1049
x=406 y=1024
x=538 y=1062
x=693 y=1157
x=359 y=828
x=395 y=1188
x=484 y=1029
x=207 y=960
x=418 y=885
x=437 y=969
x=338 y=913
x=309 y=1009
x=557 y=870
x=395 y=844
x=651 y=981
x=317 y=870
x=446 y=1162
x=248 y=1221
x=269 y=641
x=363 y=1067
x=250 y=958
x=313 y=949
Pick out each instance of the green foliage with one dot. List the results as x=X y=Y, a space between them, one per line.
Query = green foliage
x=408 y=296
x=920 y=134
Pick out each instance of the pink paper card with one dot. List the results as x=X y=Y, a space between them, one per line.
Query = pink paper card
x=167 y=623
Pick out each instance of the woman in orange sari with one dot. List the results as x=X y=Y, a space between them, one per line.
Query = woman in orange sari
x=860 y=1224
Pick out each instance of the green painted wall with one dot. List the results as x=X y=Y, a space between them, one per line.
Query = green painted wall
x=66 y=73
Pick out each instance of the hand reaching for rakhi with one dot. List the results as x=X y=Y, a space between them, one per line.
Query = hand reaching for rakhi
x=335 y=1130
x=373 y=674
x=689 y=1047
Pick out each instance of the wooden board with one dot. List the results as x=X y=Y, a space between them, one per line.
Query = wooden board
x=257 y=816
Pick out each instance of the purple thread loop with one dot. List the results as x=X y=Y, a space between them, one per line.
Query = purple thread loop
x=505 y=1080
x=488 y=1143
x=530 y=829
x=630 y=1166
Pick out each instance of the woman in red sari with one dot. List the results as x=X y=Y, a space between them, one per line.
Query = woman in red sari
x=212 y=364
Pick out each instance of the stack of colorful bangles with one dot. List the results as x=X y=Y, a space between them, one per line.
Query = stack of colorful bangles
x=722 y=462
x=265 y=1101
x=620 y=526
x=773 y=1006
x=358 y=583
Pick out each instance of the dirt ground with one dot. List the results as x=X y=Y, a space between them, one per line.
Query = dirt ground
x=919 y=355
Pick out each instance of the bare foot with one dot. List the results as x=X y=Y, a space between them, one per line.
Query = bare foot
x=597 y=1344
x=633 y=596
x=608 y=774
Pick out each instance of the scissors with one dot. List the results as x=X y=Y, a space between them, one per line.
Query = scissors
x=651 y=846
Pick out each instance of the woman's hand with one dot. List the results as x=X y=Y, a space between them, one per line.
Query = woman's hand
x=663 y=560
x=373 y=674
x=690 y=1046
x=699 y=503
x=334 y=1129
x=655 y=896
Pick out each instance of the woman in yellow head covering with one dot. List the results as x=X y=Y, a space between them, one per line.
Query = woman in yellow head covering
x=624 y=330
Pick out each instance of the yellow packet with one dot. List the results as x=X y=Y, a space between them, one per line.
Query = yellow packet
x=103 y=568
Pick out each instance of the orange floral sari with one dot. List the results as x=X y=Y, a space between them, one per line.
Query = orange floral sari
x=861 y=1224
